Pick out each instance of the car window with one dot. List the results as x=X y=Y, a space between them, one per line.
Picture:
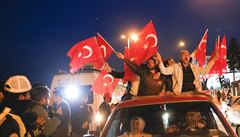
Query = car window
x=161 y=119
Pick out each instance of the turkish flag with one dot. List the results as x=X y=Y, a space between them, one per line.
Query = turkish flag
x=105 y=48
x=217 y=64
x=223 y=55
x=105 y=83
x=200 y=53
x=85 y=52
x=146 y=45
x=129 y=75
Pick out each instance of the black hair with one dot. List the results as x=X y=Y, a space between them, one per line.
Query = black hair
x=152 y=58
x=40 y=92
x=1 y=86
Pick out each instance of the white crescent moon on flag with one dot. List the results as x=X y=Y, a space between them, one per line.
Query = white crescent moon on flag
x=200 y=44
x=108 y=76
x=104 y=50
x=89 y=54
x=223 y=46
x=154 y=37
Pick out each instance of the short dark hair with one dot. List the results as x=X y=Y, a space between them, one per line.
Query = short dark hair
x=152 y=58
x=40 y=92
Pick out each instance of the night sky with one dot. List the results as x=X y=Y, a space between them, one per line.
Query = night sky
x=35 y=35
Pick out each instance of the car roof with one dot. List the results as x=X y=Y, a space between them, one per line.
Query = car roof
x=149 y=100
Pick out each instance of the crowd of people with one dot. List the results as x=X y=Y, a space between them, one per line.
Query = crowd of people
x=158 y=77
x=28 y=110
x=35 y=111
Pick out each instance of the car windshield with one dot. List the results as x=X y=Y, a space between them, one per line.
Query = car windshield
x=198 y=119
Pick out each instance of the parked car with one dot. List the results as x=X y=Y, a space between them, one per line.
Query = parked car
x=233 y=112
x=162 y=113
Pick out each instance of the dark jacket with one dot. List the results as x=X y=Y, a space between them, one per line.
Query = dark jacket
x=148 y=85
x=105 y=111
x=167 y=79
x=80 y=114
x=64 y=129
x=51 y=123
x=8 y=126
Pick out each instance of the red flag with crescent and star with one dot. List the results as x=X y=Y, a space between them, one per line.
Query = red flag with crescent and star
x=85 y=52
x=146 y=45
x=200 y=52
x=129 y=75
x=223 y=55
x=217 y=64
x=105 y=47
x=105 y=83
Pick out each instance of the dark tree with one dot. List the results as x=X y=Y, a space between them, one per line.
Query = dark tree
x=233 y=56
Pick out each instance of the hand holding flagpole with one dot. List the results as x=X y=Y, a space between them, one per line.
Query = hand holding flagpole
x=159 y=58
x=119 y=55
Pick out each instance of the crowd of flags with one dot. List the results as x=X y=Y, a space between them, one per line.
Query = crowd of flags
x=96 y=51
x=220 y=65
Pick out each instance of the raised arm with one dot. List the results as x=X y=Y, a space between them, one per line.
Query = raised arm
x=208 y=67
x=164 y=70
x=135 y=68
x=111 y=71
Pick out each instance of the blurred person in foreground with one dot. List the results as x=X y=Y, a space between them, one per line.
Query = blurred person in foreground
x=82 y=116
x=41 y=95
x=15 y=90
x=64 y=129
x=105 y=109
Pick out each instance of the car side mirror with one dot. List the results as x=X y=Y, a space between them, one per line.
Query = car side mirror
x=238 y=130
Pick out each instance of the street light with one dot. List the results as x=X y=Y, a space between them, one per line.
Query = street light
x=181 y=44
x=132 y=36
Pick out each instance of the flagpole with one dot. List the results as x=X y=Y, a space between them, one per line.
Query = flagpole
x=106 y=42
x=128 y=43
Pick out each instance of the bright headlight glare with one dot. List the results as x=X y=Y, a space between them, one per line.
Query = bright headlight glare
x=71 y=92
x=165 y=116
x=98 y=117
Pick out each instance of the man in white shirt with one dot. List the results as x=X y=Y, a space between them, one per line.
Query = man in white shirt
x=186 y=76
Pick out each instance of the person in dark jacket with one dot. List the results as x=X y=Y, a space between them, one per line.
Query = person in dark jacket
x=41 y=95
x=168 y=78
x=64 y=129
x=15 y=89
x=105 y=109
x=81 y=116
x=150 y=83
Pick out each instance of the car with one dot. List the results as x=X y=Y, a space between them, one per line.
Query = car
x=232 y=112
x=162 y=113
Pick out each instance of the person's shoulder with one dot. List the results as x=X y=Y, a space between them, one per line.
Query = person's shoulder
x=177 y=64
x=9 y=125
x=65 y=104
x=147 y=134
x=195 y=67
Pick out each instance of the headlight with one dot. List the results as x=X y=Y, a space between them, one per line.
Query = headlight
x=165 y=117
x=71 y=92
x=98 y=117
